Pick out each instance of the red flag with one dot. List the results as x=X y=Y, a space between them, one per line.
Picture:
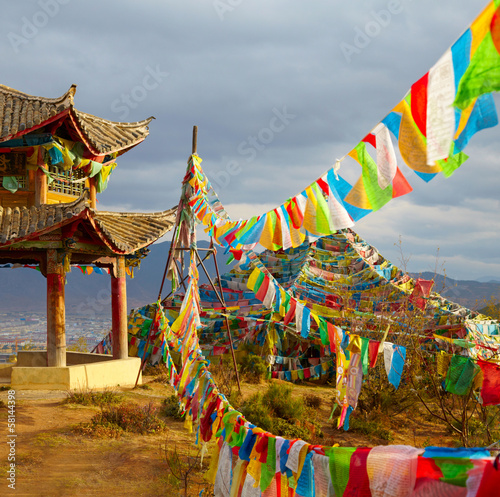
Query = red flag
x=490 y=391
x=373 y=347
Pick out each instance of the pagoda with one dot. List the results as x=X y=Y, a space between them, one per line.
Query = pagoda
x=54 y=161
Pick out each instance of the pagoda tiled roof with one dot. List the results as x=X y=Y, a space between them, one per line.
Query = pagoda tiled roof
x=122 y=233
x=21 y=113
x=132 y=231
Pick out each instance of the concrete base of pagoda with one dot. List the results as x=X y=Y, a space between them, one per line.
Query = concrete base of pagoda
x=83 y=371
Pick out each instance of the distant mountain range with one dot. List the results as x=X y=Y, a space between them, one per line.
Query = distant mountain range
x=469 y=293
x=25 y=289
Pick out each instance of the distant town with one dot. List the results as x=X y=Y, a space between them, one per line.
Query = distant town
x=28 y=331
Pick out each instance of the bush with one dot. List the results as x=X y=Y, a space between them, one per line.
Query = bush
x=171 y=407
x=279 y=399
x=257 y=412
x=276 y=411
x=313 y=401
x=253 y=367
x=113 y=421
x=286 y=429
x=370 y=428
x=158 y=371
x=93 y=398
x=224 y=375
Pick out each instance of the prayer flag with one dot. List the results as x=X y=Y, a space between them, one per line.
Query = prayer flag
x=490 y=391
x=394 y=360
x=483 y=74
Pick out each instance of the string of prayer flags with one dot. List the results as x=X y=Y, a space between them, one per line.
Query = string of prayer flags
x=266 y=288
x=431 y=135
x=315 y=212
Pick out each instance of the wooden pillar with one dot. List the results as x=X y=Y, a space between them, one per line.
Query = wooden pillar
x=40 y=187
x=119 y=309
x=92 y=193
x=56 y=313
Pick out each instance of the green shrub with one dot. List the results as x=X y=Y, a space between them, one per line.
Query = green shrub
x=276 y=411
x=156 y=370
x=281 y=403
x=113 y=421
x=257 y=412
x=286 y=429
x=93 y=398
x=234 y=398
x=253 y=367
x=370 y=428
x=313 y=401
x=171 y=407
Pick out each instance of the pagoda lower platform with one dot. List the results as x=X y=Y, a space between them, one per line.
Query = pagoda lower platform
x=83 y=371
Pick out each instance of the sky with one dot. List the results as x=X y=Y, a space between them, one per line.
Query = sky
x=279 y=90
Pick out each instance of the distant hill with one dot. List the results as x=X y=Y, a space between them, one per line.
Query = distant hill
x=488 y=279
x=25 y=289
x=492 y=311
x=469 y=293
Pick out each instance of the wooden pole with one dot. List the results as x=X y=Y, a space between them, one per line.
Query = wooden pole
x=227 y=320
x=220 y=297
x=119 y=309
x=195 y=140
x=187 y=276
x=56 y=313
x=170 y=252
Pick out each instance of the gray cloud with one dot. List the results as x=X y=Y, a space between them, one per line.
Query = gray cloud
x=227 y=76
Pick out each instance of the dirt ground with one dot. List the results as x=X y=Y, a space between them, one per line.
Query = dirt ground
x=53 y=461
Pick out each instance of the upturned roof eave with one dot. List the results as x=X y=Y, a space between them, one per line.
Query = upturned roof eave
x=126 y=135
